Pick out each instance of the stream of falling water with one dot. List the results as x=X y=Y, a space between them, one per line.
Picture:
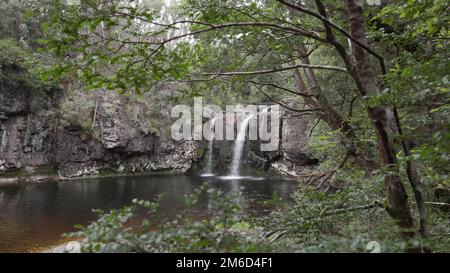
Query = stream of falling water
x=209 y=169
x=239 y=147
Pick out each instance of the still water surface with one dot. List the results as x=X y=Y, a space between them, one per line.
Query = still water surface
x=34 y=216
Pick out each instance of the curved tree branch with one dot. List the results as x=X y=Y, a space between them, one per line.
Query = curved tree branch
x=284 y=105
x=338 y=28
x=281 y=88
x=273 y=70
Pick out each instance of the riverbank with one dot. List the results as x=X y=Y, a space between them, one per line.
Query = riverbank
x=30 y=179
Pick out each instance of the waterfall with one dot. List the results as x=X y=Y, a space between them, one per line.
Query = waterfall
x=263 y=122
x=209 y=170
x=239 y=147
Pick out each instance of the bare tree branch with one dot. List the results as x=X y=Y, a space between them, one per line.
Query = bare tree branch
x=335 y=26
x=283 y=104
x=281 y=88
x=273 y=70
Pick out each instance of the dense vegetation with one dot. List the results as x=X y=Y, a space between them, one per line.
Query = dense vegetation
x=374 y=79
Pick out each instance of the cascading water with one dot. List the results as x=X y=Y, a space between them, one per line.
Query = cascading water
x=239 y=147
x=263 y=122
x=209 y=170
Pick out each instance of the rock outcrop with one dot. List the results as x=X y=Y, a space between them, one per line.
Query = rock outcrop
x=294 y=159
x=77 y=133
x=27 y=126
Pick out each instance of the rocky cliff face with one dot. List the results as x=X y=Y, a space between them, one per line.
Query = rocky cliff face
x=294 y=137
x=85 y=133
x=76 y=133
x=27 y=126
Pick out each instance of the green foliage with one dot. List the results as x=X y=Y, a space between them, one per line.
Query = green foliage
x=420 y=20
x=345 y=218
x=434 y=156
x=19 y=31
x=81 y=28
x=414 y=37
x=12 y=54
x=131 y=48
x=16 y=62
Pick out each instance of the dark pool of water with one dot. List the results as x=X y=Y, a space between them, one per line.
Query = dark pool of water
x=34 y=216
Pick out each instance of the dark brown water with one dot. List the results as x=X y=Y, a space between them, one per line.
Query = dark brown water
x=34 y=216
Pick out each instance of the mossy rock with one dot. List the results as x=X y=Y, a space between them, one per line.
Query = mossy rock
x=107 y=172
x=46 y=170
x=200 y=152
x=13 y=173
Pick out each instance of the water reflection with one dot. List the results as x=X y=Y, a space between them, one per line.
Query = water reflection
x=33 y=216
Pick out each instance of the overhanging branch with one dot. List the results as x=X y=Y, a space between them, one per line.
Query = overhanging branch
x=338 y=28
x=273 y=70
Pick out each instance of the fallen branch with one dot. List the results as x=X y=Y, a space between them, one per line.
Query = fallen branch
x=375 y=204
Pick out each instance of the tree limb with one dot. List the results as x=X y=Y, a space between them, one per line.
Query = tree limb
x=284 y=105
x=335 y=26
x=281 y=88
x=273 y=70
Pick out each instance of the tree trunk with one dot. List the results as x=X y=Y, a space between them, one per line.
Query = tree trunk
x=414 y=179
x=327 y=113
x=398 y=206
x=334 y=119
